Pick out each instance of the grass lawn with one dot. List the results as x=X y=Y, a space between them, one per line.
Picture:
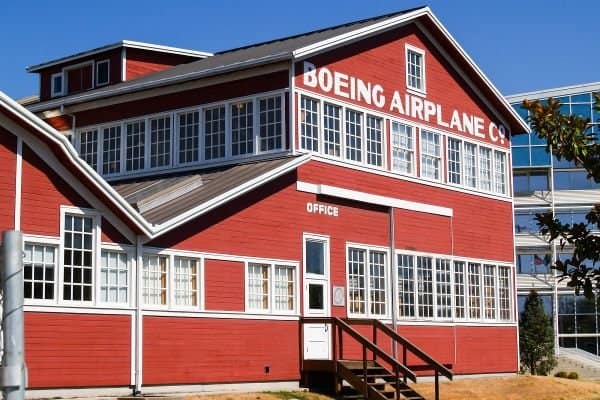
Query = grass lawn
x=511 y=388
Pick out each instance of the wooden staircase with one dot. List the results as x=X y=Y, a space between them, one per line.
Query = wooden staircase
x=377 y=375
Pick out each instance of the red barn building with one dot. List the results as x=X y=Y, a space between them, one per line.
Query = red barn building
x=262 y=213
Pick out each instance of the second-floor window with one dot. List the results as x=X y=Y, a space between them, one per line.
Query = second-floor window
x=415 y=69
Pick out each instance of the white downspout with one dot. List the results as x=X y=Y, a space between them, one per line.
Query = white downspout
x=138 y=317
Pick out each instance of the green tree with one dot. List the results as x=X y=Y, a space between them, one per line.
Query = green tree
x=570 y=137
x=536 y=340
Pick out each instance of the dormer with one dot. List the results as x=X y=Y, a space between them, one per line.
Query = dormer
x=107 y=65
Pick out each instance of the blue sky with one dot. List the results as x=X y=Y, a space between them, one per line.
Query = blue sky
x=520 y=45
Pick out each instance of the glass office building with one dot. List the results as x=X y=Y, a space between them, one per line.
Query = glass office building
x=542 y=183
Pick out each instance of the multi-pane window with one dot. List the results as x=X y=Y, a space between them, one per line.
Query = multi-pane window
x=186 y=281
x=474 y=280
x=214 y=133
x=154 y=279
x=39 y=271
x=113 y=277
x=309 y=126
x=111 y=150
x=459 y=289
x=258 y=286
x=424 y=287
x=470 y=155
x=402 y=148
x=366 y=282
x=454 y=161
x=78 y=257
x=332 y=129
x=160 y=142
x=88 y=147
x=500 y=172
x=285 y=296
x=415 y=72
x=270 y=123
x=353 y=135
x=242 y=125
x=443 y=285
x=489 y=291
x=134 y=145
x=374 y=141
x=504 y=291
x=485 y=168
x=406 y=285
x=189 y=136
x=430 y=155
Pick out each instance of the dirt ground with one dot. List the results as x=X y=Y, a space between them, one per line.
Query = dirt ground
x=512 y=388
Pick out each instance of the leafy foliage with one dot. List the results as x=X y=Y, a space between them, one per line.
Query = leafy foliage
x=570 y=137
x=536 y=339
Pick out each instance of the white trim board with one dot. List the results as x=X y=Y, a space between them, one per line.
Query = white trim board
x=336 y=191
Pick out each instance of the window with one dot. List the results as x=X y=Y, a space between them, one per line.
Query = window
x=527 y=182
x=459 y=289
x=353 y=135
x=332 y=129
x=533 y=263
x=415 y=69
x=504 y=290
x=134 y=145
x=430 y=155
x=525 y=221
x=111 y=150
x=258 y=286
x=402 y=148
x=186 y=281
x=485 y=168
x=56 y=85
x=443 y=288
x=315 y=256
x=270 y=123
x=214 y=133
x=189 y=128
x=406 y=285
x=454 y=161
x=113 y=277
x=366 y=282
x=39 y=271
x=102 y=72
x=88 y=147
x=374 y=141
x=489 y=291
x=500 y=172
x=474 y=290
x=470 y=164
x=78 y=257
x=309 y=124
x=160 y=142
x=154 y=280
x=242 y=134
x=424 y=287
x=285 y=292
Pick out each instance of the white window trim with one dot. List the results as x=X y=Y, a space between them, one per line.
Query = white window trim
x=131 y=268
x=441 y=158
x=417 y=91
x=49 y=242
x=96 y=228
x=171 y=300
x=169 y=284
x=412 y=150
x=96 y=66
x=324 y=279
x=271 y=264
x=387 y=277
x=53 y=91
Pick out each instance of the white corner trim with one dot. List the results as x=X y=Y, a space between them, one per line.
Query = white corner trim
x=364 y=197
x=18 y=180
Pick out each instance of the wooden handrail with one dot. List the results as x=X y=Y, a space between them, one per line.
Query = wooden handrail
x=374 y=348
x=436 y=366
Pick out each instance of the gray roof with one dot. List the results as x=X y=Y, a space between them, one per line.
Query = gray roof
x=278 y=49
x=163 y=198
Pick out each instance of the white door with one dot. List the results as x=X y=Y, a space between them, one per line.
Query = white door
x=317 y=337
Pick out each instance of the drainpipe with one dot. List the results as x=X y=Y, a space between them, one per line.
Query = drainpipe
x=137 y=389
x=394 y=281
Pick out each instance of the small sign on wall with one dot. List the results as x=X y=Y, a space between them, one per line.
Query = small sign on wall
x=339 y=298
x=323 y=209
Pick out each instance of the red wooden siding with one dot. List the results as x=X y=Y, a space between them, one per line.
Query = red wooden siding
x=111 y=234
x=486 y=349
x=142 y=62
x=8 y=165
x=75 y=350
x=381 y=60
x=224 y=285
x=203 y=350
x=43 y=192
x=188 y=98
x=482 y=227
x=60 y=122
